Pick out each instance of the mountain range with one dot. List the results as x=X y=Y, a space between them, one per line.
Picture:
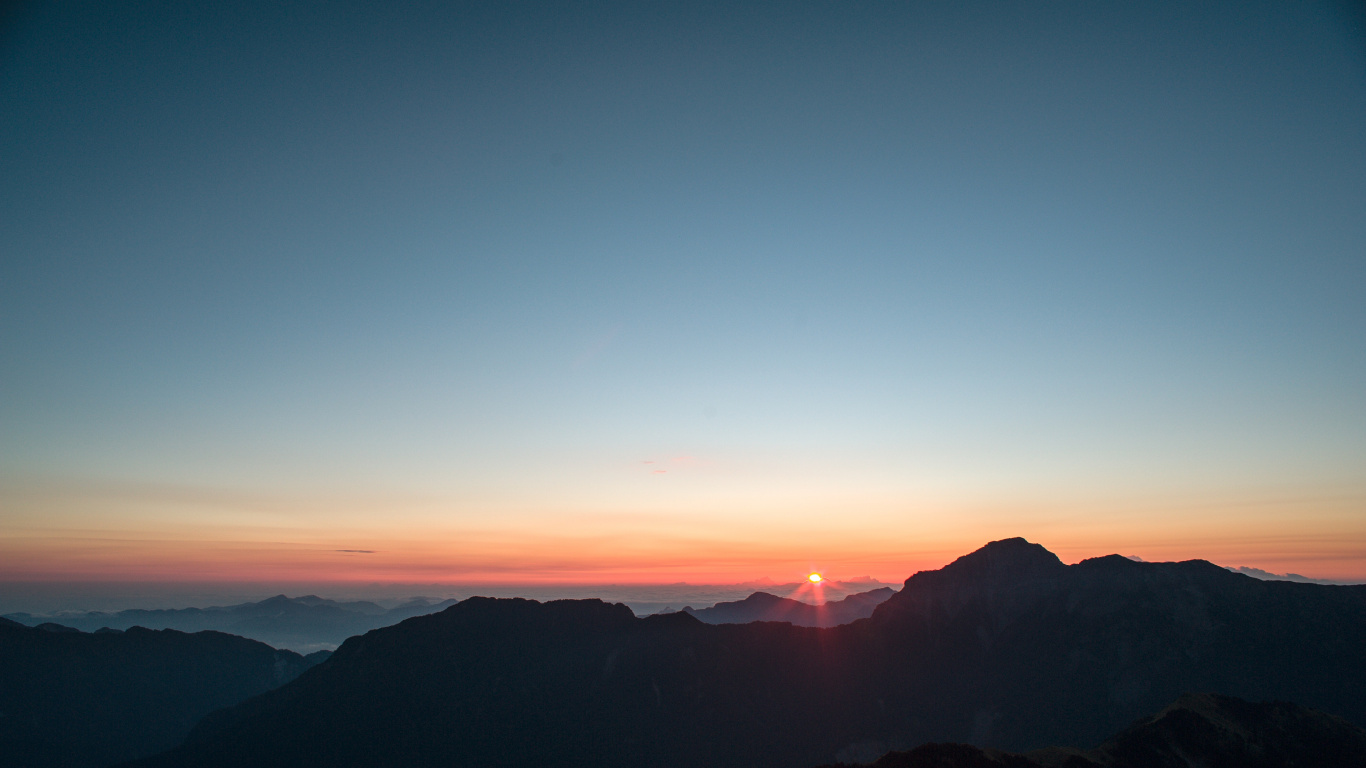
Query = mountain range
x=78 y=700
x=764 y=606
x=1005 y=648
x=303 y=624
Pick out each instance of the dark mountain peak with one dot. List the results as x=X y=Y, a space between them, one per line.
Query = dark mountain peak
x=1007 y=558
x=4 y=622
x=1113 y=562
x=1010 y=574
x=669 y=620
x=517 y=610
x=1004 y=560
x=1206 y=569
x=496 y=626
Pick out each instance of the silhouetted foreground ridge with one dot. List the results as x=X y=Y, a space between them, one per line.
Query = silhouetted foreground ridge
x=1198 y=731
x=73 y=699
x=1006 y=648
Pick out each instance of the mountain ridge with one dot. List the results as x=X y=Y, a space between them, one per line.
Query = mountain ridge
x=765 y=606
x=83 y=700
x=1006 y=648
x=302 y=624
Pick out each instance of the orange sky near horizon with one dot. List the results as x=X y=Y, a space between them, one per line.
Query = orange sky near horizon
x=57 y=532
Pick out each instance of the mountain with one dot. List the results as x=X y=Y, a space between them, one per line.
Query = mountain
x=1006 y=648
x=72 y=699
x=1198 y=731
x=302 y=624
x=762 y=606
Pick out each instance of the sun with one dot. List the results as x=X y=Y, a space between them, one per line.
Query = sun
x=815 y=578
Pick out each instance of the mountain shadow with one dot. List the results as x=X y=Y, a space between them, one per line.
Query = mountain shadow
x=1006 y=648
x=762 y=606
x=1197 y=731
x=78 y=700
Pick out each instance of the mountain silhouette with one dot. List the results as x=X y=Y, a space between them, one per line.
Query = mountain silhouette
x=762 y=606
x=1197 y=731
x=73 y=699
x=302 y=624
x=1006 y=647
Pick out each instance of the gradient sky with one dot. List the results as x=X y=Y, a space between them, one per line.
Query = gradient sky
x=658 y=292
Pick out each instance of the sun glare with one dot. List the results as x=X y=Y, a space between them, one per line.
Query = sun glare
x=815 y=578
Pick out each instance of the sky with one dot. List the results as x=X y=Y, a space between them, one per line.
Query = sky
x=660 y=292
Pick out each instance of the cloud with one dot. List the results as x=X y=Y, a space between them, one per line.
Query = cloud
x=357 y=551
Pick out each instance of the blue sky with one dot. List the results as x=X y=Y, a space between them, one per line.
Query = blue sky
x=857 y=268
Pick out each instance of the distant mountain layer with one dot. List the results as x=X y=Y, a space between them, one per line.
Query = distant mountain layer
x=74 y=700
x=1198 y=731
x=1258 y=573
x=762 y=606
x=1006 y=648
x=299 y=623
